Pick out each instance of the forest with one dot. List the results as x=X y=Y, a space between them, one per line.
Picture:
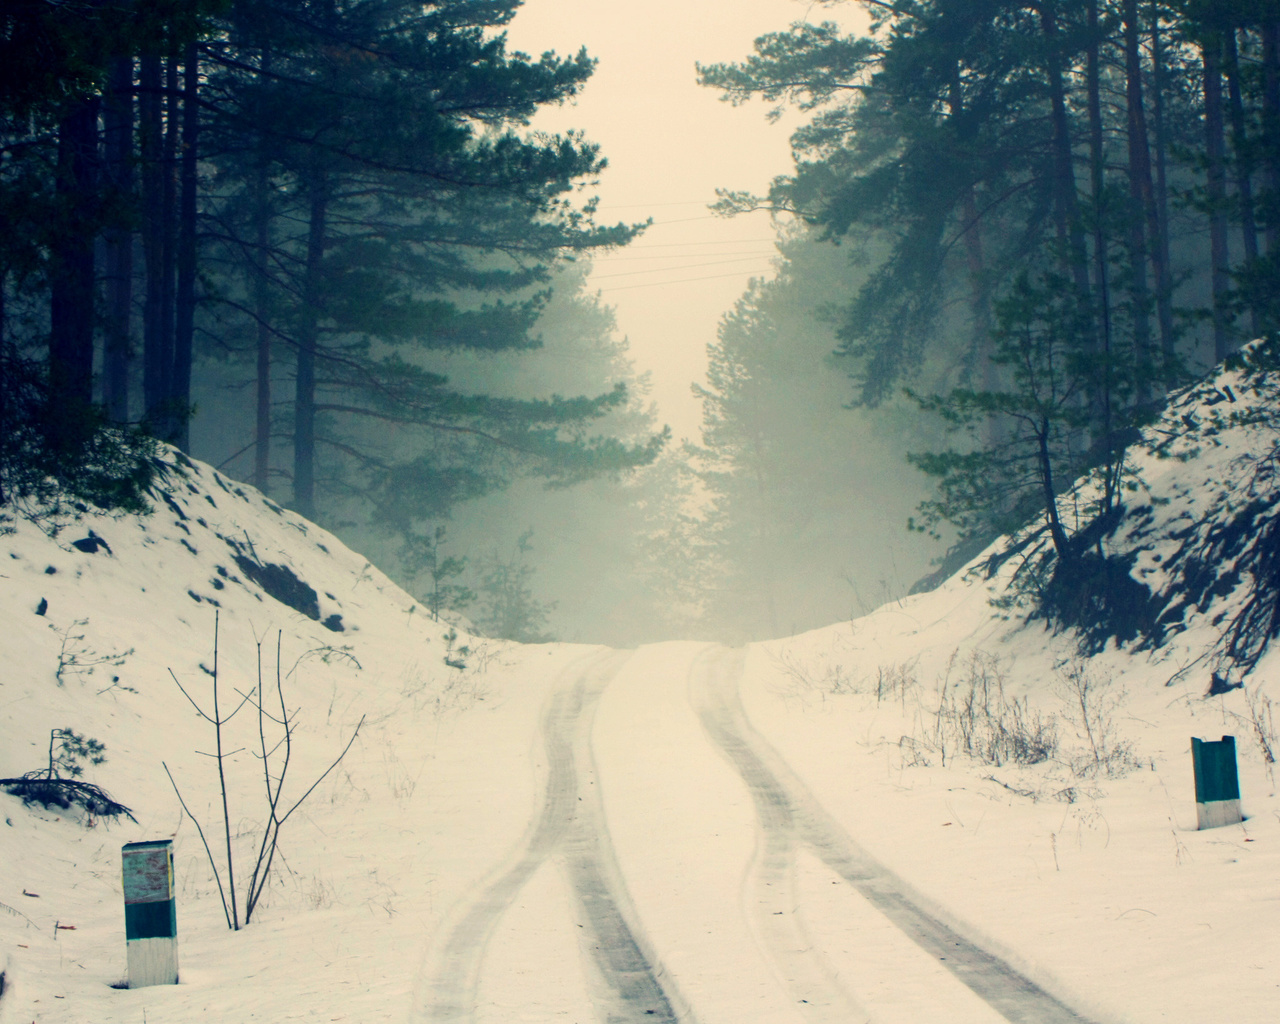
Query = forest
x=321 y=246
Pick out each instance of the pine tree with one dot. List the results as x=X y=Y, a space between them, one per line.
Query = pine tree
x=65 y=89
x=420 y=204
x=593 y=556
x=1044 y=343
x=795 y=527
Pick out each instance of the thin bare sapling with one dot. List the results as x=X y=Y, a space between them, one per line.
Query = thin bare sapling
x=275 y=783
x=220 y=756
x=273 y=773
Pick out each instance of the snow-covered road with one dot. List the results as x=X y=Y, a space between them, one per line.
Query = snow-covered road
x=571 y=830
x=563 y=834
x=679 y=870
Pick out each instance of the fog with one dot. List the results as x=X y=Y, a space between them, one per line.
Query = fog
x=445 y=278
x=670 y=144
x=655 y=554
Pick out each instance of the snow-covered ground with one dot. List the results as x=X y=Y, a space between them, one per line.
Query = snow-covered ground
x=570 y=834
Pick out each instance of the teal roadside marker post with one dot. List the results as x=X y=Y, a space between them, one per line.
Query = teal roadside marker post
x=150 y=915
x=1217 y=782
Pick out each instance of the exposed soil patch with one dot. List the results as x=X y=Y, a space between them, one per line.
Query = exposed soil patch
x=282 y=583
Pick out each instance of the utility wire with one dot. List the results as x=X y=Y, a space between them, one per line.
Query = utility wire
x=645 y=206
x=691 y=256
x=666 y=270
x=685 y=220
x=677 y=245
x=659 y=284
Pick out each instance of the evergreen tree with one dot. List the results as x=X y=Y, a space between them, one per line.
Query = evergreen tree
x=436 y=572
x=793 y=527
x=342 y=190
x=61 y=190
x=594 y=538
x=1043 y=416
x=934 y=150
x=508 y=607
x=417 y=204
x=947 y=145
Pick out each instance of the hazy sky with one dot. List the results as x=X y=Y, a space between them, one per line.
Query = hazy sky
x=670 y=143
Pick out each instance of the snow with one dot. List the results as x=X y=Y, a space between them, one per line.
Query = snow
x=507 y=834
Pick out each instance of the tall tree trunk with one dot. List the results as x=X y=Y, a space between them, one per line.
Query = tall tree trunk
x=1243 y=165
x=1104 y=387
x=1049 y=490
x=184 y=320
x=768 y=540
x=1160 y=243
x=169 y=245
x=5 y=426
x=1139 y=203
x=1066 y=203
x=979 y=300
x=263 y=215
x=155 y=342
x=71 y=283
x=979 y=293
x=304 y=428
x=262 y=313
x=1271 y=128
x=1215 y=147
x=971 y=230
x=118 y=144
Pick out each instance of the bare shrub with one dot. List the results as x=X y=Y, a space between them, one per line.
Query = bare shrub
x=453 y=692
x=485 y=653
x=972 y=715
x=275 y=738
x=317 y=892
x=810 y=675
x=1261 y=719
x=894 y=682
x=1092 y=699
x=977 y=718
x=913 y=752
x=460 y=692
x=400 y=780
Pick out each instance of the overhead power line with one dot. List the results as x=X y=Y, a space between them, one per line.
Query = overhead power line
x=685 y=220
x=659 y=284
x=645 y=206
x=691 y=256
x=667 y=270
x=676 y=245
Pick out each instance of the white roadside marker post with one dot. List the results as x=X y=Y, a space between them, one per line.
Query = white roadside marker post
x=1217 y=782
x=150 y=914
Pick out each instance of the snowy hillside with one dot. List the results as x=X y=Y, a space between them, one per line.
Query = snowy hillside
x=683 y=832
x=117 y=618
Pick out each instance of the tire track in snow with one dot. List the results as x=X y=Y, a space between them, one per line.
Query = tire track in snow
x=771 y=879
x=788 y=815
x=570 y=829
